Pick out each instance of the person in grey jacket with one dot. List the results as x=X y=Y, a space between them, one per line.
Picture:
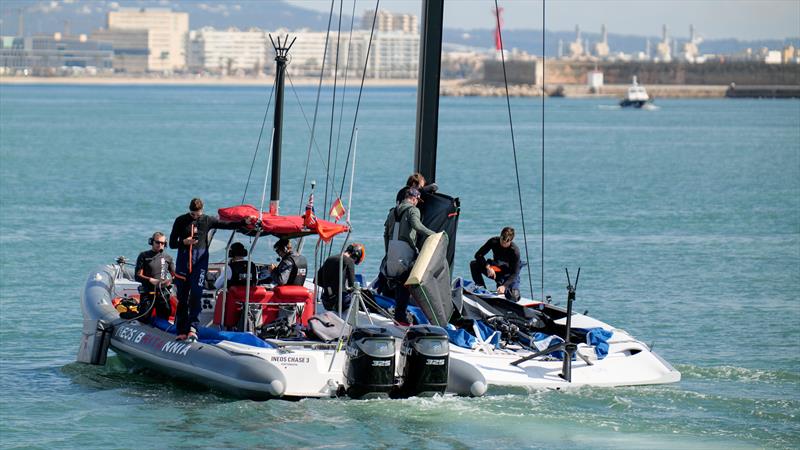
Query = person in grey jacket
x=407 y=215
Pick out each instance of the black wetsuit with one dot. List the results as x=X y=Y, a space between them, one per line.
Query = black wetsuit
x=328 y=281
x=159 y=265
x=191 y=266
x=506 y=258
x=291 y=270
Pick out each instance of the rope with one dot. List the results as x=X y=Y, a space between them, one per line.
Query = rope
x=513 y=146
x=360 y=90
x=544 y=21
x=344 y=94
x=308 y=125
x=258 y=143
x=316 y=108
x=333 y=109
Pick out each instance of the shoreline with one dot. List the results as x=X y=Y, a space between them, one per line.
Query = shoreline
x=448 y=88
x=204 y=81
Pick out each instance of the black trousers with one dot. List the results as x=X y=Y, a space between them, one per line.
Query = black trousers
x=478 y=271
x=155 y=301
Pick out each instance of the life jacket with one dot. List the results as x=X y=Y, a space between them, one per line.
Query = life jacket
x=239 y=273
x=400 y=255
x=299 y=269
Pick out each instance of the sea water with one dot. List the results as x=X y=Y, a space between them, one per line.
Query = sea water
x=685 y=222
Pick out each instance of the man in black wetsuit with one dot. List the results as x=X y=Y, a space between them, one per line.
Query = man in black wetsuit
x=329 y=274
x=504 y=266
x=190 y=236
x=292 y=268
x=416 y=181
x=155 y=269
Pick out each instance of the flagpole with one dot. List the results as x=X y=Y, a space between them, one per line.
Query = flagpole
x=352 y=177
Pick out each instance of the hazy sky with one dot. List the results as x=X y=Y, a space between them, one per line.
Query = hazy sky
x=713 y=19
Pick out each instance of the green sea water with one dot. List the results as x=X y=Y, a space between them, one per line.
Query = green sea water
x=685 y=221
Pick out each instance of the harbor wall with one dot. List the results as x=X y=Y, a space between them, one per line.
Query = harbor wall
x=649 y=73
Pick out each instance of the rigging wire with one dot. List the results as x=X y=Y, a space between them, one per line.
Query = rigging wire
x=513 y=146
x=544 y=22
x=360 y=91
x=258 y=143
x=344 y=95
x=308 y=124
x=333 y=109
x=316 y=107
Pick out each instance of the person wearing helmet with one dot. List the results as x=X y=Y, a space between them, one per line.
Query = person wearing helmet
x=330 y=273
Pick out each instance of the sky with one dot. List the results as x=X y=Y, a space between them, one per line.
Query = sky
x=712 y=19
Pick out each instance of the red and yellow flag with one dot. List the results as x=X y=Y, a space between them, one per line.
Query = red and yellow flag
x=337 y=210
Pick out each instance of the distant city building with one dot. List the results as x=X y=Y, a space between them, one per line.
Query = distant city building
x=691 y=49
x=388 y=21
x=228 y=51
x=601 y=49
x=130 y=48
x=663 y=48
x=167 y=34
x=55 y=54
x=576 y=48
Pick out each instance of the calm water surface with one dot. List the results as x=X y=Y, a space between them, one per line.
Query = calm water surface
x=685 y=221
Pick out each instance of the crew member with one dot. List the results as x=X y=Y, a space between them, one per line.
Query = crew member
x=329 y=276
x=407 y=217
x=417 y=181
x=292 y=268
x=155 y=269
x=236 y=271
x=504 y=266
x=190 y=236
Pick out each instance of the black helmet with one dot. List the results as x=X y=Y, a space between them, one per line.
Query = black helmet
x=357 y=251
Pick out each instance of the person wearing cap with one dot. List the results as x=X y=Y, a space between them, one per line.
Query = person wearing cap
x=407 y=216
x=190 y=237
x=236 y=271
x=504 y=266
x=416 y=181
x=330 y=276
x=292 y=267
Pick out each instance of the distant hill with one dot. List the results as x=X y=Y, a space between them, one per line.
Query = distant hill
x=85 y=16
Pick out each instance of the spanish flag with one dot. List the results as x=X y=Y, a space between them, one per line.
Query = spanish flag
x=337 y=210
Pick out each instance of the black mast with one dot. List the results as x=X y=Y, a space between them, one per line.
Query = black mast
x=281 y=52
x=430 y=62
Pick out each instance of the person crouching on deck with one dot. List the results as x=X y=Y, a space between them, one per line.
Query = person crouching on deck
x=190 y=237
x=504 y=266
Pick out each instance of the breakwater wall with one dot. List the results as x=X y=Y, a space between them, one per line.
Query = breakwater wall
x=649 y=73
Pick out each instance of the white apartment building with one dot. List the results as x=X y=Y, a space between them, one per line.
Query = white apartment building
x=393 y=54
x=388 y=21
x=228 y=51
x=167 y=34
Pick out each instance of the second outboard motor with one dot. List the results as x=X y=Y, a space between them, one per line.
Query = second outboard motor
x=424 y=361
x=370 y=367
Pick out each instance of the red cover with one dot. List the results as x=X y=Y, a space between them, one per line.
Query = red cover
x=285 y=226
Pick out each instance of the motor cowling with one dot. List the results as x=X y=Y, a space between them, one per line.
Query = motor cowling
x=424 y=361
x=370 y=369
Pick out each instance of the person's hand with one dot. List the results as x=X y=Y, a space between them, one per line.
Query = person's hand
x=490 y=272
x=501 y=289
x=272 y=267
x=189 y=241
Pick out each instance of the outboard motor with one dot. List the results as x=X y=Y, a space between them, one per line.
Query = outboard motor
x=370 y=366
x=424 y=361
x=95 y=340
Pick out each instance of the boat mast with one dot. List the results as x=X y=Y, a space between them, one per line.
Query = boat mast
x=281 y=52
x=430 y=62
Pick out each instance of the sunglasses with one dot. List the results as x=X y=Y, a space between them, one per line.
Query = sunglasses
x=160 y=242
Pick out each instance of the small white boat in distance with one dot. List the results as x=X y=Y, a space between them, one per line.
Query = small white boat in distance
x=636 y=96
